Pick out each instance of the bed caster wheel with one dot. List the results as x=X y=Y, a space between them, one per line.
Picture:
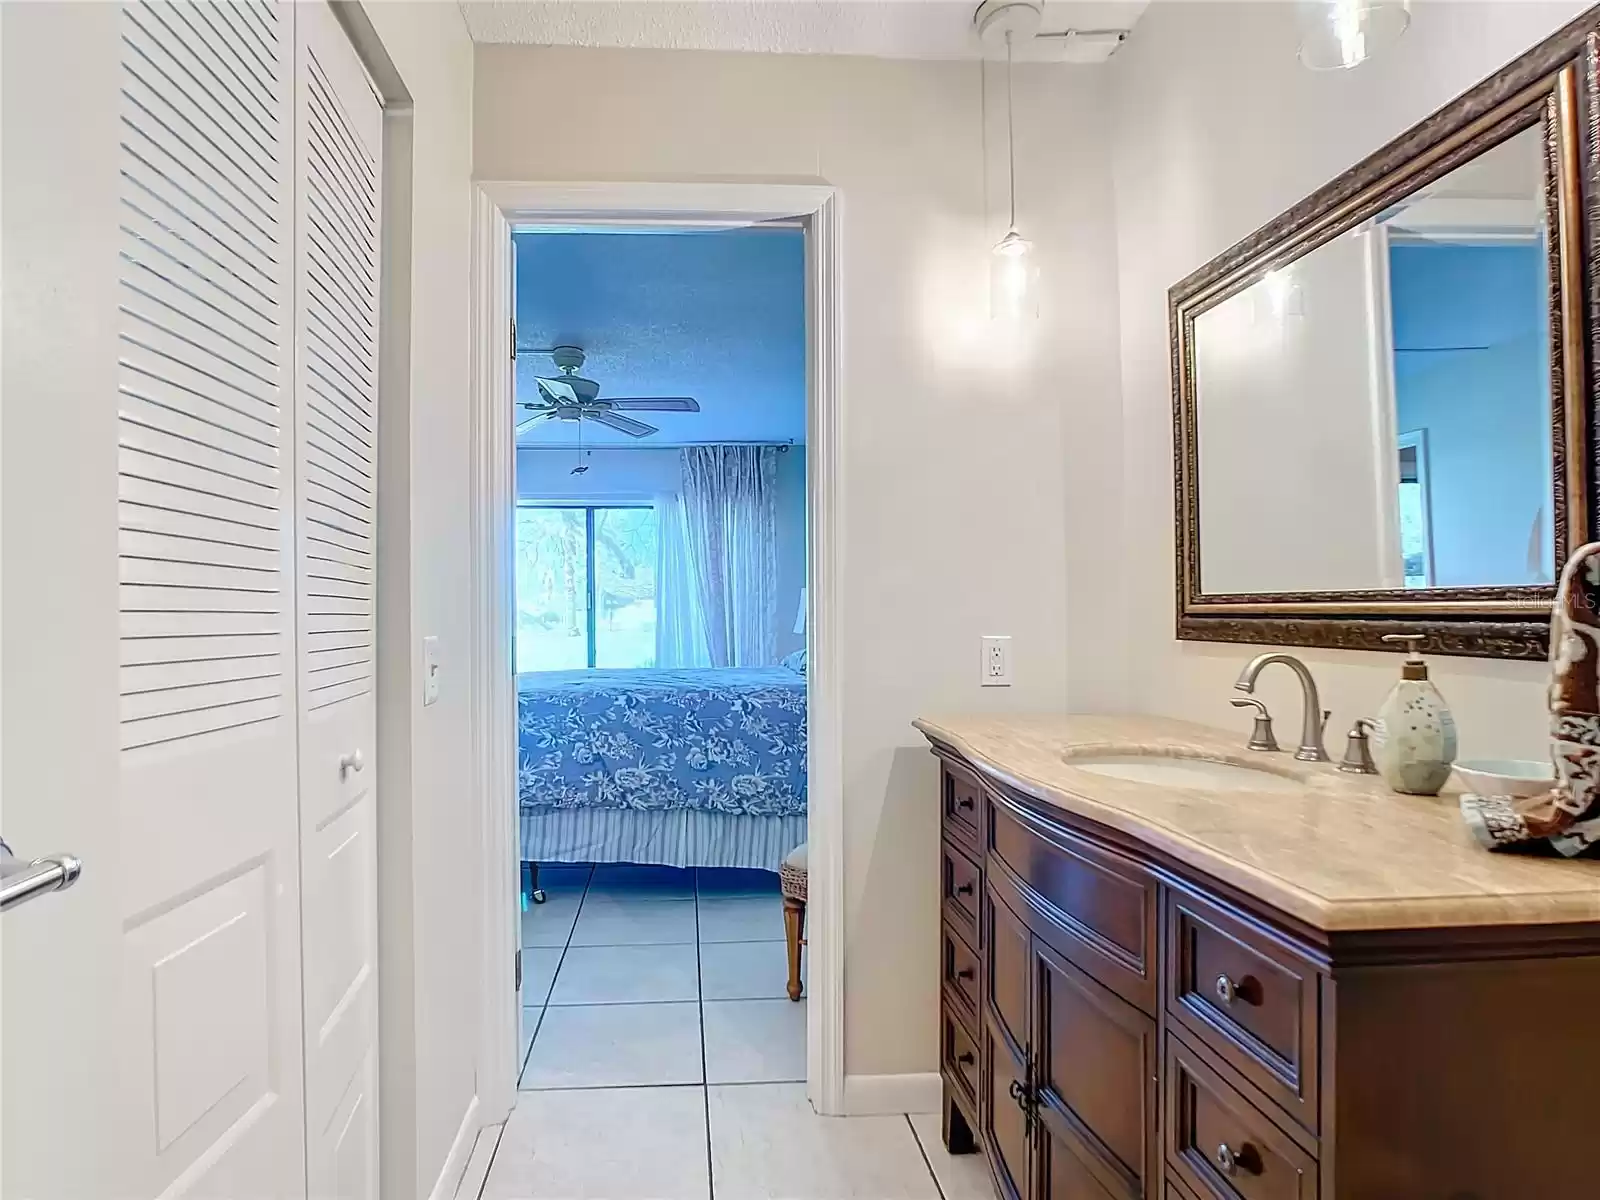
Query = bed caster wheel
x=538 y=896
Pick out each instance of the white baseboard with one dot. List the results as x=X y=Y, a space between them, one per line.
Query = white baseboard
x=444 y=1187
x=876 y=1095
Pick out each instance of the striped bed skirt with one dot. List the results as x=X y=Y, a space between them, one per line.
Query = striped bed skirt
x=672 y=838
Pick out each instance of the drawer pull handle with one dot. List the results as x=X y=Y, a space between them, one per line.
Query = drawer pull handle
x=964 y=802
x=966 y=973
x=1227 y=992
x=1230 y=1161
x=964 y=889
x=965 y=1058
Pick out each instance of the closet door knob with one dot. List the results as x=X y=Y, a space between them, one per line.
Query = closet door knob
x=351 y=762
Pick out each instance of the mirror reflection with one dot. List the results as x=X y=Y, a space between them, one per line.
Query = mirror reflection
x=1376 y=414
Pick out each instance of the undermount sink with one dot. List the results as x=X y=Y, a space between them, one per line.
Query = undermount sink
x=1184 y=772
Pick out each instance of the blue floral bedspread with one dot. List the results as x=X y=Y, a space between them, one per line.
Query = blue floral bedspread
x=729 y=740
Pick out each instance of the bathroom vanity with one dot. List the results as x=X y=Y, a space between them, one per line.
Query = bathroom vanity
x=1176 y=969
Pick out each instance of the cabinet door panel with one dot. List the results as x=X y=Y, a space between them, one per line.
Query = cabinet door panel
x=1010 y=970
x=1005 y=1127
x=1096 y=1059
x=1063 y=1175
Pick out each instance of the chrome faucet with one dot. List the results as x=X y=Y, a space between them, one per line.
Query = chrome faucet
x=1314 y=719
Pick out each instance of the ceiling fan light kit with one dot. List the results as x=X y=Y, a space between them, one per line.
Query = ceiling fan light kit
x=568 y=396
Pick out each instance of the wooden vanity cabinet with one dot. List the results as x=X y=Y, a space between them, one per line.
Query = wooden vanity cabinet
x=1143 y=1032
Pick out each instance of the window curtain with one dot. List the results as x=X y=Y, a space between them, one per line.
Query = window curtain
x=730 y=531
x=680 y=628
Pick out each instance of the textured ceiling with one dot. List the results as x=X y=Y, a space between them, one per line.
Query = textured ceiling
x=717 y=316
x=877 y=28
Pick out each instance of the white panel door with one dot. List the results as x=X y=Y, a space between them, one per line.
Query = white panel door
x=210 y=1002
x=338 y=133
x=158 y=397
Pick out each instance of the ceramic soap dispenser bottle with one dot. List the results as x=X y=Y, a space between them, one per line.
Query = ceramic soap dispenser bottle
x=1414 y=735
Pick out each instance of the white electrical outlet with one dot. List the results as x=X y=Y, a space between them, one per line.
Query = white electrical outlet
x=996 y=660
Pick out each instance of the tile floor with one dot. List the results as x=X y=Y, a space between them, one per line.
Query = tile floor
x=664 y=1061
x=656 y=976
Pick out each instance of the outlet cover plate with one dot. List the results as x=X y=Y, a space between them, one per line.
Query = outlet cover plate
x=996 y=664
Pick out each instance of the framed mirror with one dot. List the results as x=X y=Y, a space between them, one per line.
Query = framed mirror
x=1384 y=399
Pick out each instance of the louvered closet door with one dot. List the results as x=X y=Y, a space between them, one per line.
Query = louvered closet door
x=210 y=1003
x=338 y=139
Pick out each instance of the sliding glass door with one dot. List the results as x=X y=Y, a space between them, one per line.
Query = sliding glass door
x=586 y=586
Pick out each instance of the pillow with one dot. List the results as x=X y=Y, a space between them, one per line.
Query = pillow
x=796 y=662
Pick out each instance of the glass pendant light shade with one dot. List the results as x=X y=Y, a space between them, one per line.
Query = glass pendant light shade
x=1013 y=266
x=1336 y=35
x=1013 y=278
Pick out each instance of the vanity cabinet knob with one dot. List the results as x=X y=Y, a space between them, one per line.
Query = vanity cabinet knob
x=1227 y=1160
x=965 y=1058
x=965 y=802
x=964 y=889
x=966 y=973
x=1227 y=991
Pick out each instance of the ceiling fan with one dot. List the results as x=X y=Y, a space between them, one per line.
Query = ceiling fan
x=570 y=397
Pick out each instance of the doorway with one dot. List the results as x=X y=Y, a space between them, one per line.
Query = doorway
x=659 y=567
x=632 y=209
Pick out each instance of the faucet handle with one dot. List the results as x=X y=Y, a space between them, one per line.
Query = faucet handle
x=1358 y=750
x=1261 y=734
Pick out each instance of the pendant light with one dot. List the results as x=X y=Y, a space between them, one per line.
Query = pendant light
x=1336 y=35
x=1013 y=268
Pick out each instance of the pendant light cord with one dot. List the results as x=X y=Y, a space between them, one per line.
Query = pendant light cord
x=1011 y=148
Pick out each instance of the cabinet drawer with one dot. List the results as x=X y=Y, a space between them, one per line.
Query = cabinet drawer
x=1173 y=1189
x=959 y=971
x=1220 y=1144
x=958 y=891
x=959 y=1054
x=1248 y=997
x=1094 y=906
x=962 y=803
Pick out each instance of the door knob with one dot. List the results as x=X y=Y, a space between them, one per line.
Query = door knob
x=351 y=762
x=23 y=881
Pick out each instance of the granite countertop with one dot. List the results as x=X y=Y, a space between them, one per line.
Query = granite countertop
x=1340 y=852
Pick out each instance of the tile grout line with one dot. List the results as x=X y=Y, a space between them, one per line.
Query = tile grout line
x=500 y=1133
x=926 y=1161
x=546 y=1006
x=705 y=1075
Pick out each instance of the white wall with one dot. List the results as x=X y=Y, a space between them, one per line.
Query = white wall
x=957 y=437
x=429 y=923
x=612 y=475
x=1218 y=129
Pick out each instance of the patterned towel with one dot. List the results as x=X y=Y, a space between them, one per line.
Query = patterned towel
x=1566 y=817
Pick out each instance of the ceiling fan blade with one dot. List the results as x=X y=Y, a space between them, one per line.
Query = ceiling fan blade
x=627 y=425
x=656 y=404
x=528 y=423
x=559 y=391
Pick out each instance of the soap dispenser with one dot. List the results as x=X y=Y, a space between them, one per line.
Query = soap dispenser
x=1414 y=735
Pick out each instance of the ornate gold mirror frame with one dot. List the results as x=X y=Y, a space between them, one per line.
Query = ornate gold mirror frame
x=1555 y=86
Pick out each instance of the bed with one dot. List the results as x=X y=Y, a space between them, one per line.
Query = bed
x=702 y=767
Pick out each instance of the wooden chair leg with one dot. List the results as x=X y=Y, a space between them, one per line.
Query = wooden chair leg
x=794 y=930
